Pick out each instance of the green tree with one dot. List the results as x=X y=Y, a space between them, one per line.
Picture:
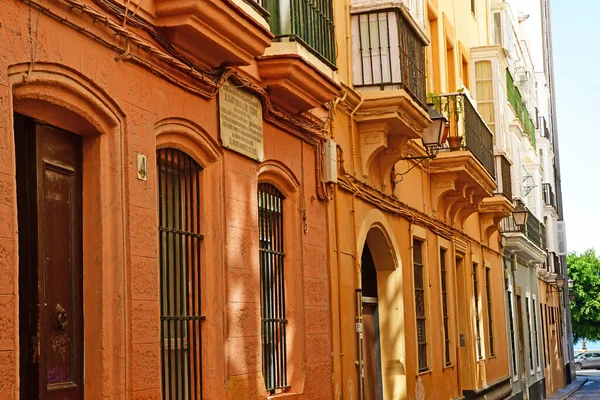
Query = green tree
x=584 y=269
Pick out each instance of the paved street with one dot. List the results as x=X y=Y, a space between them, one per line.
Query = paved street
x=591 y=389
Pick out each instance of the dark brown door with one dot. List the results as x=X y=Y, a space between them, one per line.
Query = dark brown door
x=49 y=205
x=371 y=353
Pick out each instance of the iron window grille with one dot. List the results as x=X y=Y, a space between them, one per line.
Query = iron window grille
x=528 y=316
x=477 y=316
x=512 y=333
x=448 y=359
x=179 y=252
x=420 y=304
x=272 y=286
x=488 y=294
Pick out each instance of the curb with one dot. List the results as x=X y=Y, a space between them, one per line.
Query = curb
x=576 y=388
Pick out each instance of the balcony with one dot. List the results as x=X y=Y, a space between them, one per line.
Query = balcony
x=516 y=101
x=299 y=67
x=470 y=130
x=529 y=241
x=504 y=177
x=217 y=33
x=463 y=173
x=308 y=22
x=543 y=128
x=548 y=195
x=388 y=52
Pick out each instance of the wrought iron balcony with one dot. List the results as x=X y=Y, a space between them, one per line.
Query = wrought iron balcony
x=548 y=195
x=388 y=52
x=505 y=181
x=516 y=101
x=534 y=230
x=543 y=128
x=309 y=22
x=467 y=128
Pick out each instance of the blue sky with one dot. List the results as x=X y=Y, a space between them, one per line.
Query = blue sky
x=577 y=79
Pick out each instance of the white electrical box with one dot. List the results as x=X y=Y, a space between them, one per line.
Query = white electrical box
x=331 y=168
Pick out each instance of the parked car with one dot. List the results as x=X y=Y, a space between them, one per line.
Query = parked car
x=590 y=360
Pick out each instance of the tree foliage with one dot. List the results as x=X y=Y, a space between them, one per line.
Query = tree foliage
x=584 y=269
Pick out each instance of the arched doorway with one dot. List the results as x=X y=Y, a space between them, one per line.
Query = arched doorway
x=371 y=344
x=382 y=344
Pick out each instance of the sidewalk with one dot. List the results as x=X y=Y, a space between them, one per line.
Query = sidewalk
x=568 y=390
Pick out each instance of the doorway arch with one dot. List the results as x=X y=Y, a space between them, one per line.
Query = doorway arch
x=382 y=309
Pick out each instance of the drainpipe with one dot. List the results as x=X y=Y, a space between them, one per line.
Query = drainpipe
x=352 y=130
x=339 y=277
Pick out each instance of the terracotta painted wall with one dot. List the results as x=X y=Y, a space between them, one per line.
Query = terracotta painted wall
x=123 y=110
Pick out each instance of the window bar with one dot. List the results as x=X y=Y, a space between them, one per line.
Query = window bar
x=176 y=256
x=360 y=50
x=512 y=332
x=186 y=286
x=370 y=47
x=161 y=235
x=167 y=268
x=389 y=45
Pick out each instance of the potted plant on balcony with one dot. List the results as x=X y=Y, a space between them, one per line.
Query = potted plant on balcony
x=451 y=106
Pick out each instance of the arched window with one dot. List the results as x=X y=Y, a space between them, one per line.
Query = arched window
x=272 y=285
x=179 y=242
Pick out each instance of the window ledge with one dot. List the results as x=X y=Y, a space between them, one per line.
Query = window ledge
x=286 y=396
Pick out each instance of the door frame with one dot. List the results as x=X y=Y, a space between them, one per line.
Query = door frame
x=68 y=100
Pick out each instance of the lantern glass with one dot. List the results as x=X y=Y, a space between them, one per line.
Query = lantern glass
x=560 y=281
x=520 y=214
x=432 y=135
x=570 y=283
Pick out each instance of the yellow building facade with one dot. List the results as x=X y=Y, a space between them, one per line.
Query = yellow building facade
x=417 y=280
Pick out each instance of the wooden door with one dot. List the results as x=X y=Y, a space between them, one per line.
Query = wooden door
x=371 y=352
x=49 y=201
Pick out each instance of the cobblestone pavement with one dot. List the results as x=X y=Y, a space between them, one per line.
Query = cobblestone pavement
x=591 y=389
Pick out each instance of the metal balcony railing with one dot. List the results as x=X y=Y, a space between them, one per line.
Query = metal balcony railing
x=388 y=52
x=516 y=101
x=309 y=22
x=543 y=127
x=506 y=177
x=466 y=122
x=534 y=230
x=548 y=195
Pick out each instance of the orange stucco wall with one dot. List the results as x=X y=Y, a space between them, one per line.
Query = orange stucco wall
x=121 y=109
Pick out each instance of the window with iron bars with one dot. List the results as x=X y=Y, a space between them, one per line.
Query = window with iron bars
x=447 y=358
x=477 y=316
x=179 y=252
x=420 y=304
x=272 y=286
x=488 y=295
